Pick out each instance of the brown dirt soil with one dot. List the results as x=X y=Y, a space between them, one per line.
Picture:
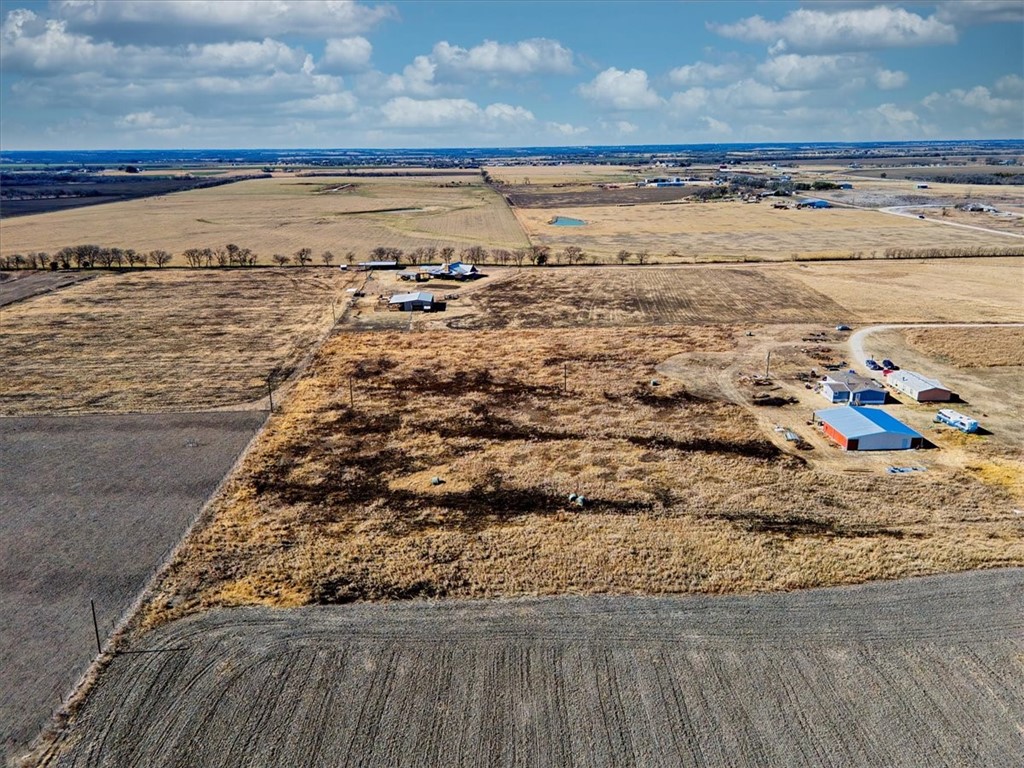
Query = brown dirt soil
x=163 y=340
x=92 y=505
x=971 y=347
x=924 y=673
x=684 y=493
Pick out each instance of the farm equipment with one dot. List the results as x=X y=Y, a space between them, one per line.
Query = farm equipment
x=956 y=420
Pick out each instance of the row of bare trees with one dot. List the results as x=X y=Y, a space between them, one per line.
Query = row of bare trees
x=84 y=256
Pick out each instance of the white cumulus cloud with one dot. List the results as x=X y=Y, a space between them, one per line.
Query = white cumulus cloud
x=347 y=54
x=855 y=29
x=526 y=57
x=617 y=89
x=404 y=112
x=965 y=12
x=702 y=73
x=793 y=71
x=190 y=19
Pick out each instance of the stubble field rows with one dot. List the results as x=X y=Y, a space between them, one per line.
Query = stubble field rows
x=923 y=673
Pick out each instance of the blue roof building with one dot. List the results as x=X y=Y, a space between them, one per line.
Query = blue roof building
x=867 y=429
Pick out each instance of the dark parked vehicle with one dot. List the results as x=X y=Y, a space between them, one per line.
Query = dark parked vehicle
x=890 y=365
x=872 y=365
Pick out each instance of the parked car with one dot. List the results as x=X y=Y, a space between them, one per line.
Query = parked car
x=872 y=365
x=920 y=215
x=842 y=327
x=890 y=365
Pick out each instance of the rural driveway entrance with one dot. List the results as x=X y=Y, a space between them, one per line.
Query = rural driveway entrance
x=92 y=505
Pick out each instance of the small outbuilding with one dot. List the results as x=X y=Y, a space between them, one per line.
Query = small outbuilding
x=813 y=202
x=852 y=388
x=867 y=429
x=378 y=265
x=412 y=302
x=920 y=388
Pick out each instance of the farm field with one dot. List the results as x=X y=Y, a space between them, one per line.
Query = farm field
x=685 y=492
x=915 y=291
x=737 y=231
x=16 y=286
x=923 y=673
x=946 y=290
x=633 y=296
x=92 y=505
x=284 y=214
x=163 y=340
x=971 y=347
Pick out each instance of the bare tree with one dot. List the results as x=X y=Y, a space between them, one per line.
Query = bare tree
x=327 y=258
x=539 y=254
x=573 y=254
x=623 y=256
x=474 y=254
x=642 y=256
x=64 y=257
x=193 y=257
x=501 y=255
x=447 y=254
x=280 y=259
x=520 y=255
x=222 y=256
x=303 y=256
x=350 y=257
x=160 y=258
x=131 y=256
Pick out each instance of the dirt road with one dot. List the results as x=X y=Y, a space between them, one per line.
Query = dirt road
x=857 y=339
x=904 y=210
x=924 y=672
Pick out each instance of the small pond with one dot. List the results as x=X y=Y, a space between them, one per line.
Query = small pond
x=565 y=221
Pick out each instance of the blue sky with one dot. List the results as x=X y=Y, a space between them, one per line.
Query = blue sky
x=84 y=74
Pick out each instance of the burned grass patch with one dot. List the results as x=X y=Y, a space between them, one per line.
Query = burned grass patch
x=794 y=525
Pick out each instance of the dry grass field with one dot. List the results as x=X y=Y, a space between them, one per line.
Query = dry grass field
x=632 y=296
x=163 y=340
x=925 y=673
x=929 y=291
x=737 y=231
x=971 y=347
x=282 y=215
x=337 y=503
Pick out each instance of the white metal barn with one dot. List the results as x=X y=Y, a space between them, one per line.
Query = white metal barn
x=921 y=388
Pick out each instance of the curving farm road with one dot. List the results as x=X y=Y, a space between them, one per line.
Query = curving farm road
x=856 y=340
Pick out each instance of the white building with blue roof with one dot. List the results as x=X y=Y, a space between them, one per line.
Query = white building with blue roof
x=867 y=429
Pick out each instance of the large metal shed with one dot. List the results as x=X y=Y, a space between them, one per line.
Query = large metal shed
x=867 y=429
x=919 y=387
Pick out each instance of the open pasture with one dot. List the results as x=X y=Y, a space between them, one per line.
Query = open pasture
x=163 y=340
x=920 y=290
x=282 y=215
x=925 y=673
x=737 y=231
x=632 y=296
x=684 y=493
x=971 y=347
x=91 y=507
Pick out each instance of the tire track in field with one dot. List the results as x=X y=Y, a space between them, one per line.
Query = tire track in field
x=925 y=672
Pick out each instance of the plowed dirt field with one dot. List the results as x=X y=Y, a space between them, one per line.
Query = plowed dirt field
x=925 y=672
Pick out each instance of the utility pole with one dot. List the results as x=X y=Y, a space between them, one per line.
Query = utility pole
x=767 y=363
